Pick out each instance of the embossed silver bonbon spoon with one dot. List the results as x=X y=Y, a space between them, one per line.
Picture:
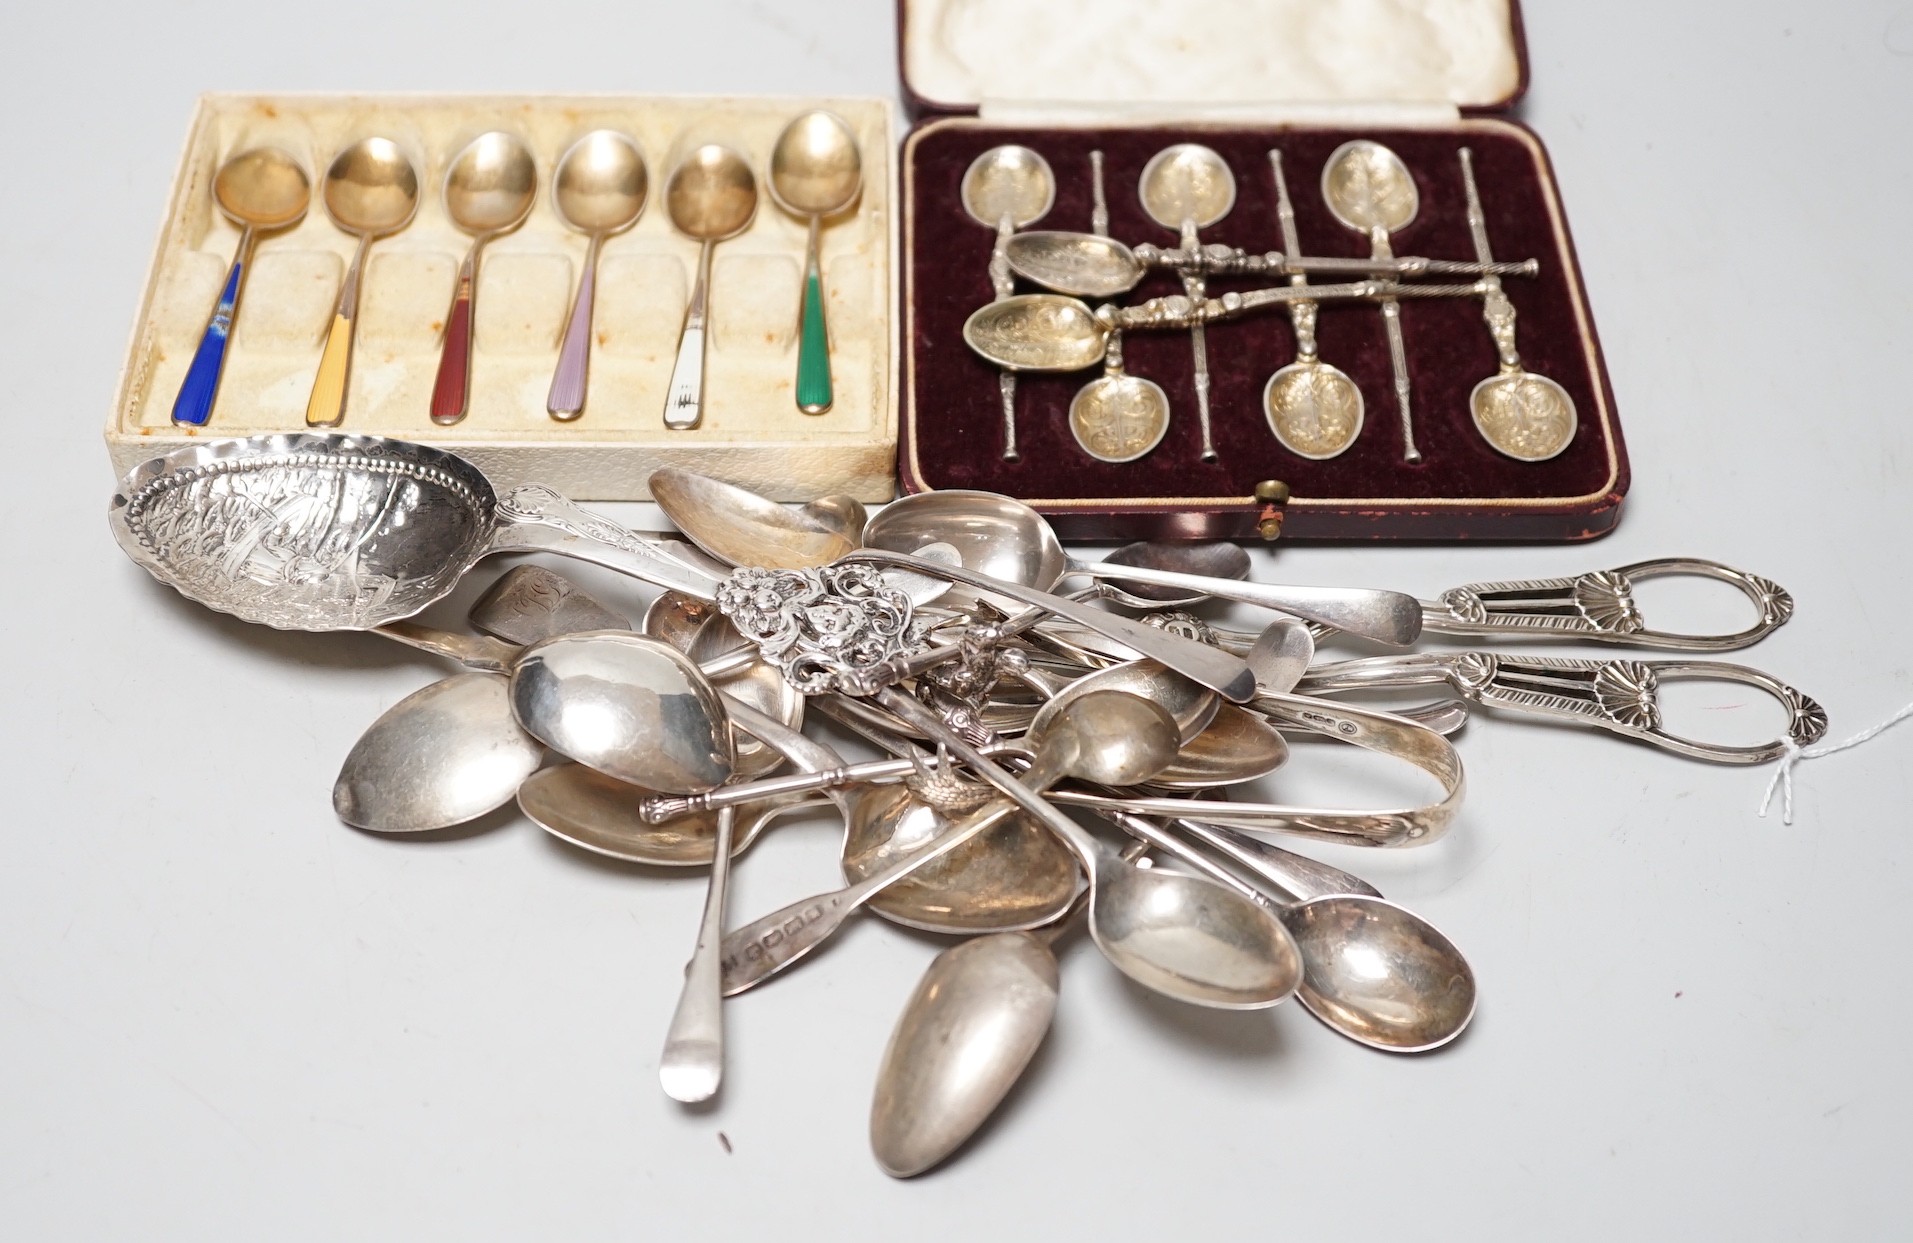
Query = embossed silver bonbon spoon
x=1369 y=189
x=366 y=531
x=1526 y=416
x=1006 y=188
x=1187 y=187
x=315 y=532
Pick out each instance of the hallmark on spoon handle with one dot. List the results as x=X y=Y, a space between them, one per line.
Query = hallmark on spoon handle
x=194 y=405
x=566 y=401
x=765 y=946
x=451 y=391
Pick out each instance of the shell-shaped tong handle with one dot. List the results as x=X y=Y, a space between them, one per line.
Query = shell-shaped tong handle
x=1600 y=605
x=1623 y=697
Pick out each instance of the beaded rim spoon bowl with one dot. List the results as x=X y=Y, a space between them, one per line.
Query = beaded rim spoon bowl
x=332 y=532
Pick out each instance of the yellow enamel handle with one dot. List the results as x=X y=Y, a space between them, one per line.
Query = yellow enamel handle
x=326 y=406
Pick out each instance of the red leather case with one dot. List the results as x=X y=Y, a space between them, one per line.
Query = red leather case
x=950 y=416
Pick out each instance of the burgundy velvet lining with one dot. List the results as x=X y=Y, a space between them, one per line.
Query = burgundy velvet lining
x=956 y=428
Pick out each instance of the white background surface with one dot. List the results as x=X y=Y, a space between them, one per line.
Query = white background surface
x=222 y=1015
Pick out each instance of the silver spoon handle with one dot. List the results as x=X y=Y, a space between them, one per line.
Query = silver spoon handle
x=595 y=539
x=1150 y=832
x=1386 y=616
x=1496 y=310
x=1381 y=732
x=1295 y=877
x=692 y=1065
x=765 y=946
x=1397 y=353
x=1233 y=260
x=1004 y=284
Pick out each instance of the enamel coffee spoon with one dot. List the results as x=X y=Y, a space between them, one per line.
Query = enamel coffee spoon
x=1183 y=936
x=371 y=189
x=489 y=190
x=258 y=190
x=815 y=171
x=598 y=188
x=711 y=197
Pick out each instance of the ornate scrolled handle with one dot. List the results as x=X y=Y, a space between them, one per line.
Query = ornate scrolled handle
x=602 y=541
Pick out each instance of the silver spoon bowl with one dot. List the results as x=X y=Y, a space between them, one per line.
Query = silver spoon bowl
x=329 y=532
x=629 y=706
x=441 y=756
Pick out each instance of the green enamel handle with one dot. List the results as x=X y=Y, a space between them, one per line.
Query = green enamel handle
x=813 y=338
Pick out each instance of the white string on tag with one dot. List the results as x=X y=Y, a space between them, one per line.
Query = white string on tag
x=1783 y=775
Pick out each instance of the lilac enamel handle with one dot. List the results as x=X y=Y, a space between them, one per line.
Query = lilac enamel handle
x=567 y=398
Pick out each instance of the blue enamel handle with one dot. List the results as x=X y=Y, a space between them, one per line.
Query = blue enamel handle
x=194 y=405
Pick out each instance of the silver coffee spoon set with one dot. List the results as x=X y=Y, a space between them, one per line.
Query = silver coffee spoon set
x=943 y=631
x=599 y=188
x=1312 y=407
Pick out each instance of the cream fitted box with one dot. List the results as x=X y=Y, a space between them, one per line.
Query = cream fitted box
x=753 y=432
